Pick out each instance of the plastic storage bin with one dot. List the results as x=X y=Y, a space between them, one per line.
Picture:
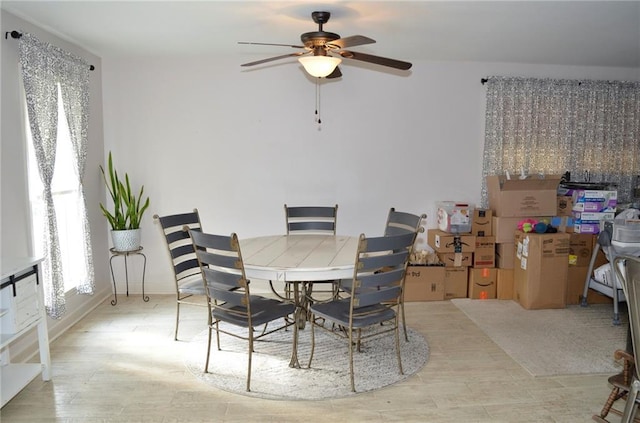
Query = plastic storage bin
x=454 y=217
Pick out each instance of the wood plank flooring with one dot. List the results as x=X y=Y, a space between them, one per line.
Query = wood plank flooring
x=121 y=364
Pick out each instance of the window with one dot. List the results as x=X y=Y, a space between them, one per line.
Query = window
x=66 y=198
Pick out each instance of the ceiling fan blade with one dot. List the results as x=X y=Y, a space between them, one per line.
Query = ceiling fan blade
x=384 y=61
x=271 y=59
x=335 y=74
x=354 y=40
x=269 y=44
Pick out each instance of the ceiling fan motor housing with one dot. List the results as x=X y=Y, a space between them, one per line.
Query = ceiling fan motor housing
x=318 y=38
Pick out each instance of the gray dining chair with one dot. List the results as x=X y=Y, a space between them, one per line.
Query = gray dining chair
x=229 y=297
x=186 y=271
x=398 y=223
x=401 y=223
x=369 y=312
x=311 y=220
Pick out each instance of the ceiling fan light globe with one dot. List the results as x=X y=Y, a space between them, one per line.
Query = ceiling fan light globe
x=319 y=66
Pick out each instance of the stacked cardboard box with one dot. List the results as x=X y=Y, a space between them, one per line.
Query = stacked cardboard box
x=469 y=258
x=483 y=283
x=511 y=201
x=483 y=276
x=540 y=273
x=532 y=196
x=481 y=224
x=424 y=283
x=456 y=252
x=582 y=206
x=591 y=207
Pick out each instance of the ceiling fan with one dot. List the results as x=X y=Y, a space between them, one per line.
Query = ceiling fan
x=320 y=47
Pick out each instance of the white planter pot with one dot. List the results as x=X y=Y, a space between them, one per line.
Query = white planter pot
x=126 y=240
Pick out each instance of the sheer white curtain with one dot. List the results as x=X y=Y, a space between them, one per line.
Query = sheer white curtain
x=44 y=66
x=588 y=128
x=74 y=87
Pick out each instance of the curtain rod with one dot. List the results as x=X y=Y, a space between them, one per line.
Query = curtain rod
x=16 y=35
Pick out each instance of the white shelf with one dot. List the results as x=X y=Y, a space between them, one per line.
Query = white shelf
x=22 y=310
x=15 y=377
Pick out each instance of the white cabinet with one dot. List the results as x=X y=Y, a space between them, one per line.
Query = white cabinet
x=21 y=309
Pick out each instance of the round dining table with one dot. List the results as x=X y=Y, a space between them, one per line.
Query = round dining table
x=299 y=259
x=291 y=258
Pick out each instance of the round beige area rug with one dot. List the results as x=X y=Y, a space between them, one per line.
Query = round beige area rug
x=375 y=366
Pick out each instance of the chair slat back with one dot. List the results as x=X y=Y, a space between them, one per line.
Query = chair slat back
x=630 y=282
x=178 y=241
x=399 y=223
x=311 y=219
x=222 y=269
x=379 y=269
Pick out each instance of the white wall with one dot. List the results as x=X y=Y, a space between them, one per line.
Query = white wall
x=239 y=144
x=14 y=215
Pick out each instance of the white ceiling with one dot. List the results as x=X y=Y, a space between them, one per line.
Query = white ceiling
x=583 y=33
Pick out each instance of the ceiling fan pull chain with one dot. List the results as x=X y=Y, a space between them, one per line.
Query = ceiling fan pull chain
x=318 y=119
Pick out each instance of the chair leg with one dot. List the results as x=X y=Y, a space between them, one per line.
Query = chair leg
x=218 y=335
x=175 y=336
x=404 y=321
x=206 y=363
x=353 y=384
x=249 y=360
x=631 y=407
x=397 y=331
x=613 y=397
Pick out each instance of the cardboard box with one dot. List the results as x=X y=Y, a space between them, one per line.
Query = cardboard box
x=587 y=228
x=594 y=200
x=444 y=242
x=505 y=227
x=505 y=254
x=584 y=217
x=505 y=284
x=541 y=268
x=455 y=282
x=565 y=205
x=424 y=283
x=576 y=279
x=485 y=252
x=481 y=222
x=454 y=217
x=483 y=283
x=456 y=259
x=533 y=196
x=580 y=249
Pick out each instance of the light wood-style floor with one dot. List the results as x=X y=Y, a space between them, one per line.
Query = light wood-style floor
x=121 y=364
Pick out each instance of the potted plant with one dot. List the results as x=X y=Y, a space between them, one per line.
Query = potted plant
x=127 y=211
